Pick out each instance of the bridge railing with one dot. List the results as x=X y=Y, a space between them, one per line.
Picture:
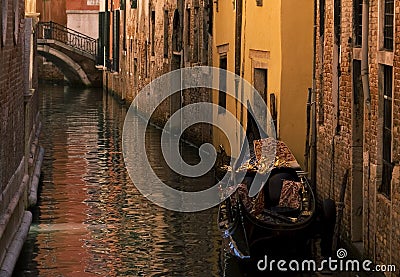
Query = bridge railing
x=58 y=32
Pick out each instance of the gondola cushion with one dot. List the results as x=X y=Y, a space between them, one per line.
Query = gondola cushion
x=290 y=196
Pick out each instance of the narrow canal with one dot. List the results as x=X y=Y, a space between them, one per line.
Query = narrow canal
x=90 y=219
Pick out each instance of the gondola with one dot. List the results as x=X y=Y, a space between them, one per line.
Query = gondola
x=280 y=217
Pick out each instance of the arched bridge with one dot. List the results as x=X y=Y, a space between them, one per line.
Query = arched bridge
x=72 y=52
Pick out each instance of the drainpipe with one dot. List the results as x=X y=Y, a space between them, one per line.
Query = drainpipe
x=367 y=99
x=313 y=161
x=238 y=58
x=238 y=35
x=364 y=57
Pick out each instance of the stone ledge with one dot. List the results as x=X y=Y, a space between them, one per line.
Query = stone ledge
x=82 y=12
x=15 y=248
x=35 y=179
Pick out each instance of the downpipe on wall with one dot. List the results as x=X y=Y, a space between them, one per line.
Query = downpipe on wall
x=364 y=55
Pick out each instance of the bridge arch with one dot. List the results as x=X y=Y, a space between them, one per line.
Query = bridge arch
x=72 y=52
x=71 y=69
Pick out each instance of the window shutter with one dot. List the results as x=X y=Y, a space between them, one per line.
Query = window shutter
x=115 y=64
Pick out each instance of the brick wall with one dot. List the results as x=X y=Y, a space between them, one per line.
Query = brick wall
x=18 y=129
x=11 y=100
x=335 y=146
x=127 y=82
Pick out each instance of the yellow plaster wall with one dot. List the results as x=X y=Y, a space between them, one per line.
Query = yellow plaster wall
x=261 y=32
x=283 y=28
x=224 y=34
x=297 y=58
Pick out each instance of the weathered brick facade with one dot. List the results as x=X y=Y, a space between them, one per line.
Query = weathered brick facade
x=350 y=134
x=150 y=45
x=20 y=157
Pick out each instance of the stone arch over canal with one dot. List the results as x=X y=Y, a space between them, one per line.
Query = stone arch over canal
x=72 y=52
x=71 y=69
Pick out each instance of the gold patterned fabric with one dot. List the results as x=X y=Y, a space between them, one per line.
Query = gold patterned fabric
x=290 y=194
x=271 y=149
x=255 y=205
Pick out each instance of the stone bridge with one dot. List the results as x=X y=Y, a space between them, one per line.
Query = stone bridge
x=72 y=52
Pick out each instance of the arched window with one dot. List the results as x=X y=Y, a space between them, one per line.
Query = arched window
x=4 y=10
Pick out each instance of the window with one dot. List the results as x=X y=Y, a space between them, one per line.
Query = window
x=166 y=37
x=153 y=31
x=388 y=24
x=260 y=82
x=124 y=24
x=188 y=26
x=357 y=22
x=196 y=35
x=92 y=2
x=204 y=43
x=146 y=59
x=260 y=78
x=259 y=3
x=134 y=4
x=16 y=20
x=223 y=62
x=101 y=44
x=115 y=54
x=135 y=72
x=210 y=13
x=337 y=20
x=107 y=39
x=122 y=4
x=4 y=11
x=176 y=33
x=387 y=166
x=321 y=17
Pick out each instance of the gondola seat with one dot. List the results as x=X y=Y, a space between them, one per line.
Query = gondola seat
x=273 y=193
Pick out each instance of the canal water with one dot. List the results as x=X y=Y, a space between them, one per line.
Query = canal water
x=90 y=219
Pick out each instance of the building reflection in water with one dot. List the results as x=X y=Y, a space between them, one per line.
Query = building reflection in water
x=91 y=220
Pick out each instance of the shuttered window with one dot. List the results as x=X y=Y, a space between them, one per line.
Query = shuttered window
x=101 y=42
x=116 y=22
x=107 y=39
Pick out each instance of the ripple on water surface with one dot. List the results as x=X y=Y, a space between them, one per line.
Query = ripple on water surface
x=90 y=219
